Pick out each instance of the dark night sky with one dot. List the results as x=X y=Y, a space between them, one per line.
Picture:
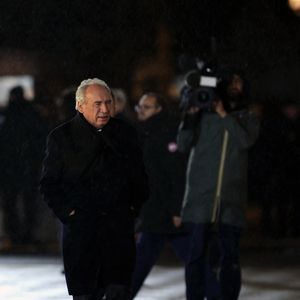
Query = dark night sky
x=109 y=37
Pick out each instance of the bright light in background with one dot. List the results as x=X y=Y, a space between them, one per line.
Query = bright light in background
x=8 y=82
x=295 y=6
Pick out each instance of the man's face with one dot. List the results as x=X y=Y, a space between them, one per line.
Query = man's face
x=147 y=108
x=235 y=88
x=97 y=106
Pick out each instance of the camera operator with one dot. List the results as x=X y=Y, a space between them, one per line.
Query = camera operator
x=218 y=139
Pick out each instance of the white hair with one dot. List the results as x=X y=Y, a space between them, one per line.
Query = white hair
x=80 y=92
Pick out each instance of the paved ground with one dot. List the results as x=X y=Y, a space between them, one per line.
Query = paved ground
x=271 y=275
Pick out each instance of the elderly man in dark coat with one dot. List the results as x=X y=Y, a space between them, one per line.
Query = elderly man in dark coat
x=94 y=180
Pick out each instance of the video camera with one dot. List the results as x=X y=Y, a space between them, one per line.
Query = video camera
x=201 y=87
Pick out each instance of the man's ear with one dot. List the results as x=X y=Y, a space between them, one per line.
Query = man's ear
x=79 y=107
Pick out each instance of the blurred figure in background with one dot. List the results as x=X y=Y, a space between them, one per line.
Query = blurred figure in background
x=65 y=104
x=160 y=220
x=282 y=216
x=120 y=100
x=47 y=110
x=290 y=218
x=122 y=109
x=22 y=140
x=274 y=170
x=264 y=167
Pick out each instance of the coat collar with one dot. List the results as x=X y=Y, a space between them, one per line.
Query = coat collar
x=86 y=132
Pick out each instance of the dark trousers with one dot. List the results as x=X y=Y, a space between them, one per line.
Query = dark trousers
x=112 y=292
x=19 y=225
x=149 y=247
x=207 y=273
x=99 y=255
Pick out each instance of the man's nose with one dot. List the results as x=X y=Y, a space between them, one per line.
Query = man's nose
x=104 y=108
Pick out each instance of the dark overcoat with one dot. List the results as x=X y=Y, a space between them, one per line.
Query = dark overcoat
x=166 y=170
x=100 y=175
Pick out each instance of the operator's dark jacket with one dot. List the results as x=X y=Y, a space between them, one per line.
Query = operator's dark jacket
x=101 y=175
x=204 y=140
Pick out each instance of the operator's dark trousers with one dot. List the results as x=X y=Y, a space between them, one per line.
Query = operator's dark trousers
x=227 y=273
x=149 y=247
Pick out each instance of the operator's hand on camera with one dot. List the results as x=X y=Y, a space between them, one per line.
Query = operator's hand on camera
x=193 y=110
x=190 y=118
x=219 y=108
x=137 y=236
x=177 y=221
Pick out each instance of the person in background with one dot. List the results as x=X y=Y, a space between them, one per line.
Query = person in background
x=120 y=100
x=122 y=110
x=159 y=219
x=274 y=167
x=22 y=139
x=65 y=104
x=283 y=190
x=94 y=181
x=290 y=219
